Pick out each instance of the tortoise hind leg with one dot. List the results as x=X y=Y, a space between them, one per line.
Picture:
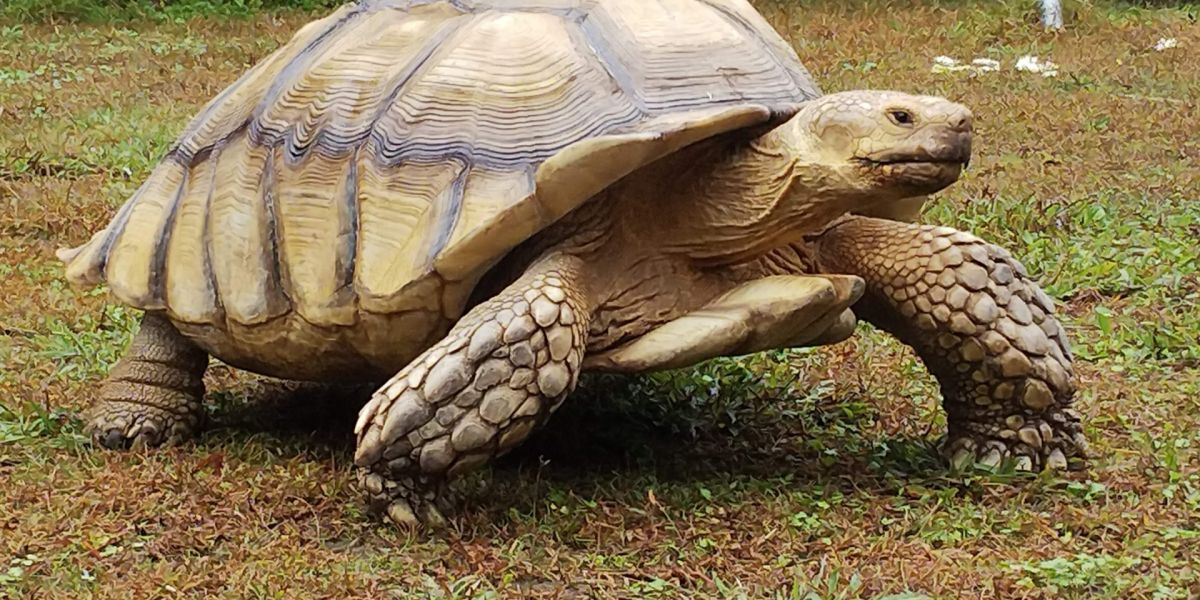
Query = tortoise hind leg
x=982 y=328
x=499 y=373
x=153 y=396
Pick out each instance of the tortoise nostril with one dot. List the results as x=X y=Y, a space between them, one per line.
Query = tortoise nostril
x=961 y=121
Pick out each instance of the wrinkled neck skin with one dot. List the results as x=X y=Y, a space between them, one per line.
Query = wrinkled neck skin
x=720 y=202
x=736 y=202
x=659 y=243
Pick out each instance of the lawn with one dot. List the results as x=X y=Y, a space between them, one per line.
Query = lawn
x=799 y=474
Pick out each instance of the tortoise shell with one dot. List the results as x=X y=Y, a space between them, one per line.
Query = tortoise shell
x=392 y=152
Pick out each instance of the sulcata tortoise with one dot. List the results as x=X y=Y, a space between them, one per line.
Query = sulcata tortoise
x=478 y=199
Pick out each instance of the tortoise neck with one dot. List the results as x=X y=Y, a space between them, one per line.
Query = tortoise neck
x=751 y=197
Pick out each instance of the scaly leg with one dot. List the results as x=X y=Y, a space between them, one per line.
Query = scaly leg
x=774 y=311
x=982 y=327
x=499 y=373
x=153 y=396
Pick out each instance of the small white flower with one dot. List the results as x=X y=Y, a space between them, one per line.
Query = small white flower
x=985 y=64
x=945 y=64
x=1032 y=64
x=1166 y=44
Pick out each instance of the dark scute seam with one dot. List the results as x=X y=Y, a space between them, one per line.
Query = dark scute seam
x=349 y=218
x=118 y=227
x=403 y=5
x=278 y=269
x=804 y=85
x=570 y=13
x=202 y=154
x=436 y=41
x=285 y=80
x=184 y=157
x=475 y=6
x=584 y=9
x=158 y=269
x=287 y=75
x=206 y=232
x=617 y=71
x=452 y=209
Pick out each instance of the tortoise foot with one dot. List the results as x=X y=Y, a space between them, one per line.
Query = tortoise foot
x=122 y=425
x=1052 y=441
x=153 y=395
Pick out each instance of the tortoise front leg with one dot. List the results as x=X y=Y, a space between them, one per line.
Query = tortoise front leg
x=499 y=374
x=982 y=327
x=772 y=311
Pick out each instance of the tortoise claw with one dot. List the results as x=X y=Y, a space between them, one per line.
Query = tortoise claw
x=401 y=513
x=406 y=504
x=966 y=453
x=143 y=432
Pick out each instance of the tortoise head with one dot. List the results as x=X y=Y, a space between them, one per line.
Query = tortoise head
x=883 y=145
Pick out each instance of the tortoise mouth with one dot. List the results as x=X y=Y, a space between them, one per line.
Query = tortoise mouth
x=914 y=174
x=951 y=148
x=962 y=161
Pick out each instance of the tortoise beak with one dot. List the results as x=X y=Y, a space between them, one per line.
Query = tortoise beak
x=961 y=132
x=950 y=146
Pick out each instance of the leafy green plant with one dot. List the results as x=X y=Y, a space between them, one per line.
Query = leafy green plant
x=89 y=349
x=1080 y=575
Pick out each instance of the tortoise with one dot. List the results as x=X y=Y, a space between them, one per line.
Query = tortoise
x=476 y=200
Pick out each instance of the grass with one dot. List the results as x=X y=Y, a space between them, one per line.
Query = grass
x=108 y=11
x=799 y=474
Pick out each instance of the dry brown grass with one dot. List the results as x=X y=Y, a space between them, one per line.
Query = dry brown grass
x=809 y=473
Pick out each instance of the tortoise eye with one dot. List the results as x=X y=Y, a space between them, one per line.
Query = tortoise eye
x=902 y=118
